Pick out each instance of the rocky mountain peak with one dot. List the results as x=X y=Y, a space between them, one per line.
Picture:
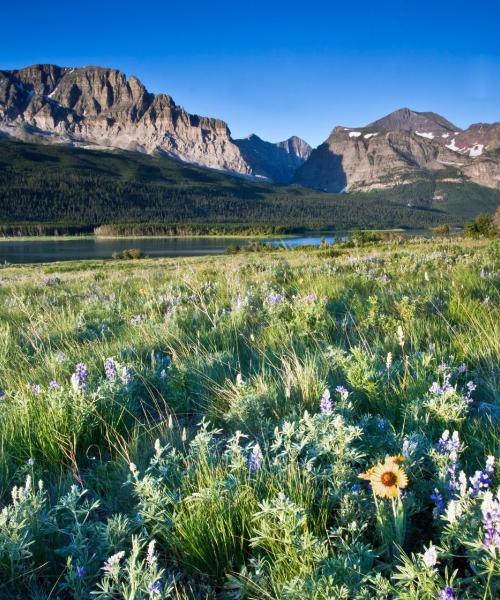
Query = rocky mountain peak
x=277 y=162
x=99 y=107
x=406 y=119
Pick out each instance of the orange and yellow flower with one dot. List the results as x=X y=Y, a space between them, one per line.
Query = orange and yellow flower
x=388 y=478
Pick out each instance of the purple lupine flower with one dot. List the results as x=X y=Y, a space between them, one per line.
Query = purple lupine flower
x=438 y=499
x=448 y=593
x=326 y=404
x=275 y=298
x=481 y=480
x=155 y=588
x=255 y=459
x=462 y=368
x=435 y=389
x=2 y=393
x=112 y=561
x=355 y=488
x=381 y=424
x=446 y=445
x=53 y=385
x=79 y=377
x=35 y=388
x=30 y=462
x=80 y=572
x=344 y=393
x=110 y=369
x=491 y=522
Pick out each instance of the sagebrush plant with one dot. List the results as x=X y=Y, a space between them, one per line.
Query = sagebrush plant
x=292 y=424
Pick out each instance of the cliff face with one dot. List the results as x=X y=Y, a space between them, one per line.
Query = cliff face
x=100 y=107
x=397 y=148
x=277 y=162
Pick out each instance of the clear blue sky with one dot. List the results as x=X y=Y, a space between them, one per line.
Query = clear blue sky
x=278 y=68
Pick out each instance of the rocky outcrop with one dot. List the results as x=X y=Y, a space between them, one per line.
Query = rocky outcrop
x=276 y=162
x=397 y=148
x=102 y=108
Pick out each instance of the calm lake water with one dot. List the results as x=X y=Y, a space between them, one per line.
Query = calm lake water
x=37 y=251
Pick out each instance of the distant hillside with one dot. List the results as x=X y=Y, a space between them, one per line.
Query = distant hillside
x=65 y=187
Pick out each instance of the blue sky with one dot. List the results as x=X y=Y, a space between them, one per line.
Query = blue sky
x=278 y=68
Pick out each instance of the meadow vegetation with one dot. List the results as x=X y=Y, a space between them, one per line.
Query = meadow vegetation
x=319 y=423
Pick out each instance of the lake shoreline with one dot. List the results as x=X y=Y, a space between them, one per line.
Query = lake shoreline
x=305 y=233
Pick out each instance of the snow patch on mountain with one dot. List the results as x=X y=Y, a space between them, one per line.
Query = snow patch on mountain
x=427 y=135
x=476 y=150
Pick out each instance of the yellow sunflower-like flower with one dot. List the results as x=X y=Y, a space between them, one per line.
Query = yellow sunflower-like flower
x=386 y=478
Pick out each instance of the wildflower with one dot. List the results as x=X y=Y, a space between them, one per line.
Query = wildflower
x=409 y=447
x=53 y=385
x=438 y=499
x=481 y=480
x=326 y=404
x=110 y=369
x=355 y=488
x=239 y=379
x=454 y=511
x=275 y=298
x=388 y=361
x=60 y=357
x=155 y=588
x=387 y=479
x=30 y=462
x=35 y=388
x=462 y=368
x=151 y=557
x=112 y=561
x=255 y=459
x=2 y=393
x=448 y=593
x=430 y=556
x=435 y=389
x=491 y=522
x=80 y=572
x=79 y=377
x=340 y=389
x=447 y=445
x=400 y=334
x=471 y=386
x=125 y=375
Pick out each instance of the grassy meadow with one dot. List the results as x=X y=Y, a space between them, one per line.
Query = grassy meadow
x=197 y=428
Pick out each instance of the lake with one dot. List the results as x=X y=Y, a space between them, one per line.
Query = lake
x=38 y=251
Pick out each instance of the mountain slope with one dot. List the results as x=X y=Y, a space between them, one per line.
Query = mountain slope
x=44 y=188
x=398 y=148
x=276 y=162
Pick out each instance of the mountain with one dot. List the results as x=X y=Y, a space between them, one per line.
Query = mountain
x=406 y=119
x=99 y=108
x=398 y=149
x=276 y=162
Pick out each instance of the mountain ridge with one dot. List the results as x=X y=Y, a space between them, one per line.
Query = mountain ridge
x=101 y=108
